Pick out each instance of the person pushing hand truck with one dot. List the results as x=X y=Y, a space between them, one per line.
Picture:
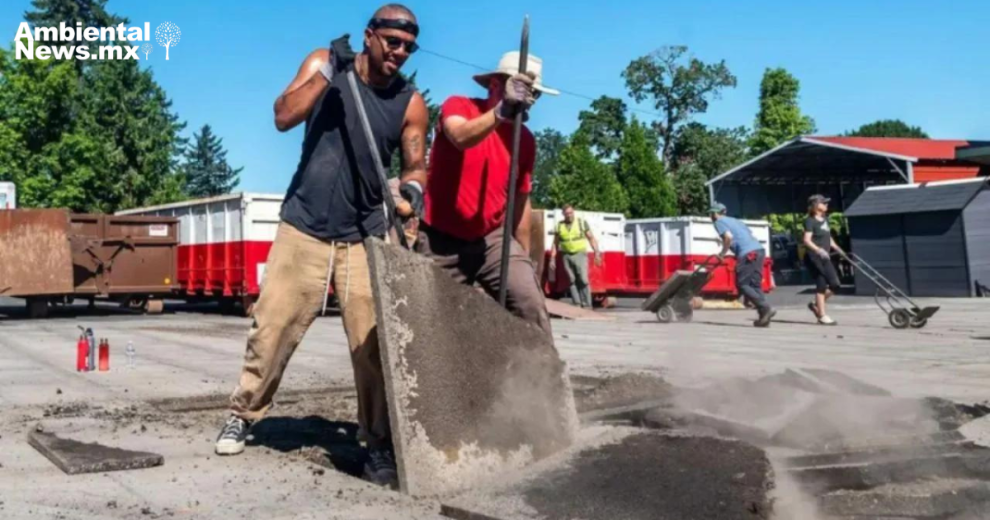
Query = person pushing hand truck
x=819 y=243
x=737 y=237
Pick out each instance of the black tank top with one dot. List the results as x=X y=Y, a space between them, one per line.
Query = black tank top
x=335 y=193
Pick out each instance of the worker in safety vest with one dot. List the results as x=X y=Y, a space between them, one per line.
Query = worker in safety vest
x=572 y=237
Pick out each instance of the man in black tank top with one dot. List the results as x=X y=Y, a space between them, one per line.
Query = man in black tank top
x=334 y=201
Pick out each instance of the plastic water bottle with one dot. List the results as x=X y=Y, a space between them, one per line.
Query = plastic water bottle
x=130 y=354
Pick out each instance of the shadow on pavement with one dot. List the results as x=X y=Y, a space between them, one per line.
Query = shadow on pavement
x=336 y=440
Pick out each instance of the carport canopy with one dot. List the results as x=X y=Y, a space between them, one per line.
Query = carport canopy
x=781 y=180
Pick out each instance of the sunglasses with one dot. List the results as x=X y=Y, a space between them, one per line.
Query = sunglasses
x=394 y=43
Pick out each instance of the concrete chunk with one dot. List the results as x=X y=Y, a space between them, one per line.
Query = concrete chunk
x=644 y=476
x=74 y=457
x=925 y=499
x=869 y=475
x=473 y=391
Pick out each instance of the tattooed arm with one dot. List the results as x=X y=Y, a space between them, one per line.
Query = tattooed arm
x=414 y=155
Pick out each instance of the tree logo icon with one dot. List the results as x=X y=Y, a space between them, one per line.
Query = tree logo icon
x=146 y=49
x=167 y=35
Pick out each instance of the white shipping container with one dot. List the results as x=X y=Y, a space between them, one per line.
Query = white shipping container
x=688 y=236
x=241 y=219
x=216 y=220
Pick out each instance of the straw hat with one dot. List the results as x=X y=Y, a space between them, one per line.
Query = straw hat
x=509 y=65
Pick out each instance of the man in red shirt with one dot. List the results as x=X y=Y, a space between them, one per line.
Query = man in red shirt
x=468 y=185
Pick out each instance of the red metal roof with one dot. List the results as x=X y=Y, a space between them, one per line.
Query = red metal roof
x=930 y=149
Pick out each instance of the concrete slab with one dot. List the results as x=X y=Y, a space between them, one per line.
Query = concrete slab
x=877 y=455
x=870 y=475
x=834 y=420
x=75 y=457
x=667 y=418
x=843 y=383
x=926 y=499
x=645 y=475
x=473 y=391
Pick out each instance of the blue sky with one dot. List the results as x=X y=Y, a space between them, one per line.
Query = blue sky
x=924 y=62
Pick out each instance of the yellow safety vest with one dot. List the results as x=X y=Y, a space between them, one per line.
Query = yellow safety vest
x=572 y=239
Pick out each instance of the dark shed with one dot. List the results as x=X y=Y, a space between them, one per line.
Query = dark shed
x=929 y=239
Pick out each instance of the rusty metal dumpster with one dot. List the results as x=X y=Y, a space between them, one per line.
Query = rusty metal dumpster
x=51 y=256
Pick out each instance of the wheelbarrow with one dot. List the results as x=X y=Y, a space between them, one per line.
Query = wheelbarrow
x=672 y=301
x=902 y=312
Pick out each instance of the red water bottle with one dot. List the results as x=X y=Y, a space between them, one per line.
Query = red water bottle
x=82 y=354
x=104 y=355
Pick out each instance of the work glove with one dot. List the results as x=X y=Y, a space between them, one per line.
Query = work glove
x=412 y=193
x=518 y=95
x=341 y=54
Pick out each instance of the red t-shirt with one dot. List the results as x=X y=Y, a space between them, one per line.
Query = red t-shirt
x=466 y=192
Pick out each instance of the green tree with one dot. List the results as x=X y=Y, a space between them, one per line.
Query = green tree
x=49 y=13
x=603 y=126
x=677 y=86
x=549 y=145
x=701 y=153
x=888 y=128
x=88 y=136
x=641 y=174
x=207 y=173
x=586 y=182
x=692 y=193
x=713 y=150
x=779 y=118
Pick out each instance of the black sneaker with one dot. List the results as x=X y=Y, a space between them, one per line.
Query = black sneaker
x=764 y=319
x=232 y=436
x=380 y=468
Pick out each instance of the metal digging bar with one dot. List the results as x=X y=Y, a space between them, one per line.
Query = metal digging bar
x=510 y=210
x=389 y=206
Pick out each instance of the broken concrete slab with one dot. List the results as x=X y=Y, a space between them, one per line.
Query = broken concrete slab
x=869 y=475
x=701 y=422
x=74 y=457
x=645 y=475
x=836 y=419
x=473 y=391
x=843 y=383
x=977 y=431
x=936 y=498
x=621 y=391
x=877 y=455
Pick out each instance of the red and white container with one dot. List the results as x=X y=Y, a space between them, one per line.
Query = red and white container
x=655 y=248
x=223 y=242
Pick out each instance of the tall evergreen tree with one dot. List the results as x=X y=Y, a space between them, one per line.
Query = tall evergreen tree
x=641 y=174
x=88 y=135
x=779 y=118
x=207 y=173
